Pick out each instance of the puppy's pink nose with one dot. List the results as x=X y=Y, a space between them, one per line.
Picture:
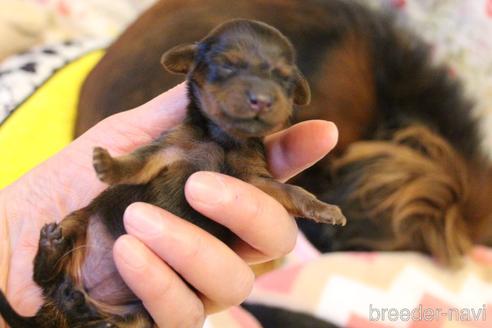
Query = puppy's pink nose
x=260 y=102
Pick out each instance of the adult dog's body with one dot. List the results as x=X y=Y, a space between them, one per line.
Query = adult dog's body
x=408 y=171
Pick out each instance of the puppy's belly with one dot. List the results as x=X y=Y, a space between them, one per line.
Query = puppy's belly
x=100 y=277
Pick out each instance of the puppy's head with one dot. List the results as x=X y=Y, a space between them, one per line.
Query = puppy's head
x=244 y=76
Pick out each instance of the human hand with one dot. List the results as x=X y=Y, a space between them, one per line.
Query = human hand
x=159 y=244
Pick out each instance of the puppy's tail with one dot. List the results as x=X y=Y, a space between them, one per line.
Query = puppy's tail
x=416 y=186
x=13 y=319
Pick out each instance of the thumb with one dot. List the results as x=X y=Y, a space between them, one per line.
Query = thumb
x=120 y=134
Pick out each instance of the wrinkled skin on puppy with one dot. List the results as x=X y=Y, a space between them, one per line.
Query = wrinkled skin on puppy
x=242 y=83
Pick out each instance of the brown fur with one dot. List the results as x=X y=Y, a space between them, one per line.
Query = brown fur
x=344 y=89
x=416 y=184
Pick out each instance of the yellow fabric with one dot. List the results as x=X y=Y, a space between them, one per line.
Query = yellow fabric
x=43 y=124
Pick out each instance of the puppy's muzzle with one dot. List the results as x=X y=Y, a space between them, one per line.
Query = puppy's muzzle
x=260 y=102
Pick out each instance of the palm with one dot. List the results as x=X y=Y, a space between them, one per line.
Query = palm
x=62 y=184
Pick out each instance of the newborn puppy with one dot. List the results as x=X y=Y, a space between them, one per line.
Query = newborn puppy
x=242 y=84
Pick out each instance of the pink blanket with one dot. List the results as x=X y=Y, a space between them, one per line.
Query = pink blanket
x=374 y=290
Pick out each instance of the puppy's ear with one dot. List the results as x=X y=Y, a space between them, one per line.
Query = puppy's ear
x=178 y=60
x=302 y=91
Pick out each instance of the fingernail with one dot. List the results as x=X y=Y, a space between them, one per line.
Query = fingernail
x=131 y=253
x=207 y=188
x=143 y=220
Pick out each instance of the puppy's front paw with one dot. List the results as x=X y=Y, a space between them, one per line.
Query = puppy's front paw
x=326 y=213
x=103 y=165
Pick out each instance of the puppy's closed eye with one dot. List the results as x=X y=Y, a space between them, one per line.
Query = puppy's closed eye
x=282 y=76
x=226 y=70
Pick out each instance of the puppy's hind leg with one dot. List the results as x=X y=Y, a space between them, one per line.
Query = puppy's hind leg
x=61 y=248
x=80 y=313
x=74 y=307
x=300 y=202
x=52 y=246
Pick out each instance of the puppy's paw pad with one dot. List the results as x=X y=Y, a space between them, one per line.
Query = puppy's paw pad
x=103 y=164
x=51 y=236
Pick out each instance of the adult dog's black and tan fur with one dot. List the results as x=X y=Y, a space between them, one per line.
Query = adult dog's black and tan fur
x=408 y=171
x=242 y=83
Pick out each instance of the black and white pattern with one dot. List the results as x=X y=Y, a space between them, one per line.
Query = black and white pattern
x=22 y=74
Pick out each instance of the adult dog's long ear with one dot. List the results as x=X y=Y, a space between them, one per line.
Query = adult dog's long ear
x=178 y=60
x=302 y=91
